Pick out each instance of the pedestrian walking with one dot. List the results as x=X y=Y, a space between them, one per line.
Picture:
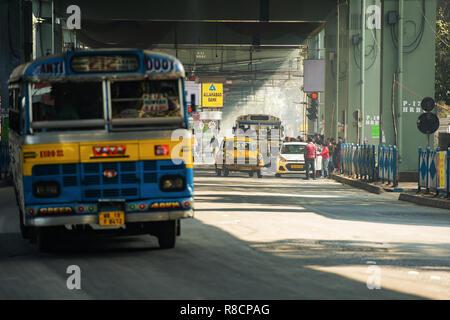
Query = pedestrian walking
x=310 y=158
x=325 y=154
x=318 y=162
x=331 y=149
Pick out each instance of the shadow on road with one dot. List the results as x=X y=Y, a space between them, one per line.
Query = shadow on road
x=207 y=263
x=210 y=263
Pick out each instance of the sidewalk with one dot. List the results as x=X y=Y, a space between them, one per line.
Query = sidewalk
x=429 y=200
x=407 y=191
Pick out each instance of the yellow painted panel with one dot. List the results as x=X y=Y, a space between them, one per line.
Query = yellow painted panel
x=83 y=152
x=131 y=151
x=53 y=153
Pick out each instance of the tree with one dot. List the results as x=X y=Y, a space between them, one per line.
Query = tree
x=442 y=82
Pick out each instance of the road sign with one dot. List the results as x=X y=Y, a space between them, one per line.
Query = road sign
x=428 y=123
x=427 y=104
x=212 y=95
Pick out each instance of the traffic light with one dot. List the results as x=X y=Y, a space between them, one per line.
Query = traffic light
x=313 y=106
x=191 y=105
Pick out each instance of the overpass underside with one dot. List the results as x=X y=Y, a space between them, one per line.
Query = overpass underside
x=261 y=42
x=201 y=22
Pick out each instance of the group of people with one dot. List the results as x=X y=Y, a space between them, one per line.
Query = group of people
x=328 y=151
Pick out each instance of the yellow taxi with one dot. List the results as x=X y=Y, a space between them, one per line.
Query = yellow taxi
x=239 y=154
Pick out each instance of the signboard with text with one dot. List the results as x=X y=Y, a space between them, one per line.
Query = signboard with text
x=212 y=95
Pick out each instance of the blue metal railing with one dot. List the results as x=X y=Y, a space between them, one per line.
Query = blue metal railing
x=388 y=164
x=368 y=163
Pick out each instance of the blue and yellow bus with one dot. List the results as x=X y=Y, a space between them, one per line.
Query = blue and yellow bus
x=99 y=143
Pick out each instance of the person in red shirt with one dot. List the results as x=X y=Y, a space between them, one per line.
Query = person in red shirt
x=325 y=159
x=310 y=158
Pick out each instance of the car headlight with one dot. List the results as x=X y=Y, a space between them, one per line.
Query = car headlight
x=46 y=189
x=170 y=183
x=282 y=159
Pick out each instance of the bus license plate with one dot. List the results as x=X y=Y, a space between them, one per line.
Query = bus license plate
x=112 y=218
x=297 y=166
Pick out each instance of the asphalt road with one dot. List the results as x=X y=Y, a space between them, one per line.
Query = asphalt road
x=270 y=238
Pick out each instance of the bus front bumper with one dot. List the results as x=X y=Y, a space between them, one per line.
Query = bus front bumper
x=140 y=211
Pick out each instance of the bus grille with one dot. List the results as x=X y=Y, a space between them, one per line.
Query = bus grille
x=131 y=178
x=123 y=185
x=66 y=172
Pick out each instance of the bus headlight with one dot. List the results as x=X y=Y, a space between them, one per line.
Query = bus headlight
x=172 y=183
x=282 y=159
x=46 y=189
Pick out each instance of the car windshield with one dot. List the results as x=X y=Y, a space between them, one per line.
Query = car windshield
x=67 y=101
x=292 y=148
x=145 y=99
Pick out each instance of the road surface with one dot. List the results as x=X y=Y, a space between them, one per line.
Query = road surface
x=269 y=238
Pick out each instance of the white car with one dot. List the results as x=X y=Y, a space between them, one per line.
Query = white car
x=291 y=158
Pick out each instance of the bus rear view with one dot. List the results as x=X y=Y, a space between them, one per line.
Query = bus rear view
x=98 y=144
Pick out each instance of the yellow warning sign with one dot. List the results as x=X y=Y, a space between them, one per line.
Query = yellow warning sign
x=212 y=95
x=441 y=170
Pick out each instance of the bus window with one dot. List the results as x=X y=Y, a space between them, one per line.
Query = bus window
x=67 y=101
x=145 y=99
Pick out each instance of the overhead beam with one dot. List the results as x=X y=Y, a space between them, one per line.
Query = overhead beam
x=96 y=33
x=202 y=10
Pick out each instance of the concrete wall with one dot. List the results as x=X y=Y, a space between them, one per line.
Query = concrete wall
x=418 y=77
x=381 y=63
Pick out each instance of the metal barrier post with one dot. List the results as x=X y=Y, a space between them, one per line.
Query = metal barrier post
x=428 y=170
x=419 y=169
x=388 y=164
x=363 y=162
x=358 y=161
x=345 y=161
x=373 y=164
x=394 y=168
x=448 y=172
x=383 y=163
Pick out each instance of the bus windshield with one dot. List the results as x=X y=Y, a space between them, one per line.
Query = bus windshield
x=67 y=101
x=145 y=99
